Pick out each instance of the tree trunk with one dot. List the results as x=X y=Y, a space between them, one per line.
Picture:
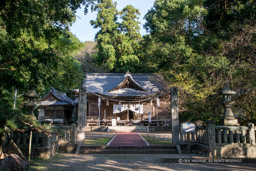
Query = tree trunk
x=1 y=148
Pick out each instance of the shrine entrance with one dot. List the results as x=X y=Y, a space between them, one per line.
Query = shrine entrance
x=131 y=114
x=126 y=115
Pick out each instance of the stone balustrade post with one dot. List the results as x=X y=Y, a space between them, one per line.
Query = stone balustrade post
x=36 y=136
x=231 y=136
x=237 y=136
x=82 y=110
x=210 y=132
x=210 y=140
x=175 y=116
x=251 y=133
x=243 y=137
x=73 y=133
x=225 y=136
x=46 y=142
x=219 y=136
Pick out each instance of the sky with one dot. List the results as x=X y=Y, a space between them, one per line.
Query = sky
x=83 y=30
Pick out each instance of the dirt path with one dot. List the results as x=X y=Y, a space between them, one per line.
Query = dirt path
x=127 y=162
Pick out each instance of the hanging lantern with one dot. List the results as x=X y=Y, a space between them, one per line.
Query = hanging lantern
x=99 y=102
x=157 y=102
x=107 y=103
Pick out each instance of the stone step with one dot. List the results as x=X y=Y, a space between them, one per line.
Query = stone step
x=128 y=150
x=126 y=147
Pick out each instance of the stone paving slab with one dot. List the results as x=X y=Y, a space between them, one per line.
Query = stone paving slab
x=128 y=139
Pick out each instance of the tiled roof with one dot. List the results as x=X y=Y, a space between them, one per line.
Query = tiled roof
x=103 y=83
x=61 y=98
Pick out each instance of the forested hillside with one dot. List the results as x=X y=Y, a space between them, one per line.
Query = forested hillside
x=197 y=46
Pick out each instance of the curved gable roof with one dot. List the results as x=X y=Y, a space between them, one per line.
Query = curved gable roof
x=60 y=98
x=109 y=84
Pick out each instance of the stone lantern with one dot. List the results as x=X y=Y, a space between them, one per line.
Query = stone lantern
x=30 y=104
x=30 y=100
x=228 y=117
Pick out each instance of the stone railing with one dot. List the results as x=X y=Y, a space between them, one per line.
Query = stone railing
x=221 y=135
x=225 y=141
x=235 y=134
x=200 y=134
x=38 y=139
x=42 y=145
x=66 y=133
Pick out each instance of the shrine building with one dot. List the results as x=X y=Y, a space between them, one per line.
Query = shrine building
x=128 y=98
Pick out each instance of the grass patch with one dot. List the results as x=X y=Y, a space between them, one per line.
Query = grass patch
x=97 y=141
x=42 y=164
x=157 y=141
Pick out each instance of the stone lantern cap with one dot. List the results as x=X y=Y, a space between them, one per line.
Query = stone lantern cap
x=31 y=94
x=227 y=91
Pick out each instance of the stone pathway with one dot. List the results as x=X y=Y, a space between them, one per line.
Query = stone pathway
x=127 y=139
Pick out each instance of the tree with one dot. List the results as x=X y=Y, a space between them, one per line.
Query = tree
x=231 y=27
x=117 y=43
x=175 y=48
x=128 y=41
x=29 y=32
x=199 y=46
x=106 y=21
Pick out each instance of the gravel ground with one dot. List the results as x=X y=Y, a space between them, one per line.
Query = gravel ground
x=127 y=162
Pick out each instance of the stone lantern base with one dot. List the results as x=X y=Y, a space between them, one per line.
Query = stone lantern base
x=231 y=122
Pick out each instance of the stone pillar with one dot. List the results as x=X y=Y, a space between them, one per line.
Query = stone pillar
x=175 y=115
x=73 y=133
x=210 y=132
x=82 y=110
x=251 y=133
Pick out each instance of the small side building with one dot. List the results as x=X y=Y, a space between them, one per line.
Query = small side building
x=56 y=107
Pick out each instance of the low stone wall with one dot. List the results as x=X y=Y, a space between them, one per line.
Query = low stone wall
x=43 y=146
x=42 y=152
x=225 y=141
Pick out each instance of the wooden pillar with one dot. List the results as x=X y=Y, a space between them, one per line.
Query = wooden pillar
x=82 y=111
x=175 y=115
x=128 y=115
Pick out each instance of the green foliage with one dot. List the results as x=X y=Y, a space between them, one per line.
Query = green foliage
x=106 y=21
x=117 y=43
x=39 y=18
x=128 y=41
x=198 y=46
x=36 y=52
